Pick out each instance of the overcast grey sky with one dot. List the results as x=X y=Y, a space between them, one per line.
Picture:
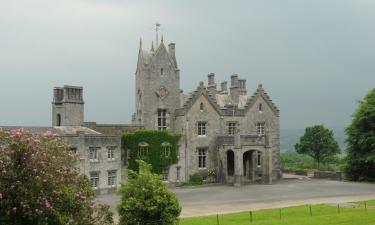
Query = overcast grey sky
x=315 y=58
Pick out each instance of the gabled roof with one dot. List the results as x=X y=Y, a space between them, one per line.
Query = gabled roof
x=260 y=92
x=162 y=49
x=145 y=57
x=201 y=90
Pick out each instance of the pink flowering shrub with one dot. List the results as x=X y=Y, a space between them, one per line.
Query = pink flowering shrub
x=40 y=183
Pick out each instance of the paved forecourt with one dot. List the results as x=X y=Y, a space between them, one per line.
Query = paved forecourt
x=208 y=200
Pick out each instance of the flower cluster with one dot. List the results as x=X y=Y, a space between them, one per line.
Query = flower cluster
x=40 y=181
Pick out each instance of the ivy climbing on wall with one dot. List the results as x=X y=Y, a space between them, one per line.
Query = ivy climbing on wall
x=158 y=148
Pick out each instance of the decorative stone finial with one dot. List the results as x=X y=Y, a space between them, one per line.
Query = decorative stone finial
x=140 y=42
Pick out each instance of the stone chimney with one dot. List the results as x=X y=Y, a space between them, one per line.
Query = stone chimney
x=172 y=52
x=234 y=92
x=242 y=87
x=224 y=88
x=211 y=83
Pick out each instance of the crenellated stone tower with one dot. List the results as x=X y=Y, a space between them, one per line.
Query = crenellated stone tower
x=67 y=106
x=157 y=87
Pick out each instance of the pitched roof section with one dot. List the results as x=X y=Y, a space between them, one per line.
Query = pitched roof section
x=201 y=90
x=260 y=92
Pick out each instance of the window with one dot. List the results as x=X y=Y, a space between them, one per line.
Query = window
x=259 y=159
x=112 y=178
x=58 y=120
x=94 y=179
x=231 y=128
x=260 y=107
x=165 y=173
x=178 y=173
x=93 y=155
x=143 y=149
x=111 y=153
x=162 y=119
x=166 y=149
x=202 y=128
x=201 y=107
x=73 y=149
x=202 y=155
x=260 y=128
x=161 y=71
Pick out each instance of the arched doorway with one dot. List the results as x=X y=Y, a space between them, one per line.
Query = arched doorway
x=230 y=163
x=250 y=164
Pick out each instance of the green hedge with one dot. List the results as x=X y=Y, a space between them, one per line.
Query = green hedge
x=155 y=156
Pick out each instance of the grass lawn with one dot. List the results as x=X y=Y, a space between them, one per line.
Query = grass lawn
x=299 y=215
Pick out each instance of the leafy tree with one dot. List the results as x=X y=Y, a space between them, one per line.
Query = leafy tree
x=319 y=143
x=361 y=141
x=146 y=200
x=41 y=184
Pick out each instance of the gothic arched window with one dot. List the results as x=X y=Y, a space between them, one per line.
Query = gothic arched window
x=260 y=107
x=161 y=71
x=58 y=120
x=166 y=149
x=201 y=107
x=143 y=149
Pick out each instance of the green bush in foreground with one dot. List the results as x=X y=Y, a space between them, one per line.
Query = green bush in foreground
x=145 y=200
x=196 y=179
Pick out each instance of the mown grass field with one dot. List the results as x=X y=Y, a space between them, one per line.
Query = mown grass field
x=299 y=215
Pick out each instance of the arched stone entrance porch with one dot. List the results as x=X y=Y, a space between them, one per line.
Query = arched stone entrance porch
x=252 y=163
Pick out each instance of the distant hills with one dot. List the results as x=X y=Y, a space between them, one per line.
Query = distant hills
x=289 y=137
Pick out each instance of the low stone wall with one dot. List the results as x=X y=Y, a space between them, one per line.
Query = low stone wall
x=328 y=175
x=296 y=172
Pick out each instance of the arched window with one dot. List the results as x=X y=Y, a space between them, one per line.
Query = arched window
x=166 y=149
x=161 y=71
x=143 y=149
x=201 y=107
x=260 y=107
x=58 y=120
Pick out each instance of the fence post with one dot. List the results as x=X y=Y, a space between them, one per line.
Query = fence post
x=217 y=219
x=310 y=210
x=280 y=213
x=338 y=208
x=251 y=216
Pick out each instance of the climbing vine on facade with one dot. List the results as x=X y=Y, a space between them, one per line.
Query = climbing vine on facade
x=158 y=148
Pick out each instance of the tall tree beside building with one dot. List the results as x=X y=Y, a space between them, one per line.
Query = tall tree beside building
x=361 y=141
x=319 y=143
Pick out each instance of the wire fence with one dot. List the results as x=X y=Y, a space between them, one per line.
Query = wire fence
x=289 y=212
x=278 y=214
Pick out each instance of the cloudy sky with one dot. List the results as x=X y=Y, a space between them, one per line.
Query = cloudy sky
x=315 y=58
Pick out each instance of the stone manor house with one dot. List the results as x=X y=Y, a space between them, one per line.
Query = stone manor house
x=230 y=131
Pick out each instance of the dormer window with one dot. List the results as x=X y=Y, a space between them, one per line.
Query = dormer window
x=161 y=71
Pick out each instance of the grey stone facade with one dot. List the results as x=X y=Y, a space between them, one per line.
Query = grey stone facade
x=231 y=132
x=235 y=134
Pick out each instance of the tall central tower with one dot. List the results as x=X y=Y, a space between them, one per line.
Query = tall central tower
x=157 y=87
